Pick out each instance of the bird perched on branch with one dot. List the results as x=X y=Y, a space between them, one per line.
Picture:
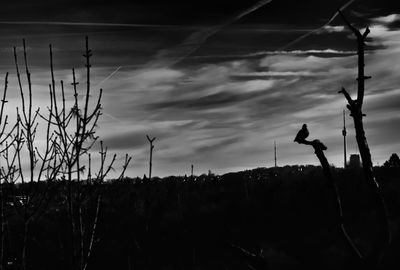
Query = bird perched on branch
x=302 y=134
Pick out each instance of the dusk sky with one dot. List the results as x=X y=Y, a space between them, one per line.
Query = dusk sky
x=217 y=82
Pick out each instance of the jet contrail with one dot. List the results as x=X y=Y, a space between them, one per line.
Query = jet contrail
x=190 y=45
x=103 y=81
x=318 y=29
x=109 y=76
x=84 y=24
x=195 y=40
x=112 y=117
x=341 y=9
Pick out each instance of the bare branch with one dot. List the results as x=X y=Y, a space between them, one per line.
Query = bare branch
x=319 y=149
x=350 y=26
x=347 y=96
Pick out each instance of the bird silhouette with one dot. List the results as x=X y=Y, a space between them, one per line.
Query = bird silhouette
x=302 y=134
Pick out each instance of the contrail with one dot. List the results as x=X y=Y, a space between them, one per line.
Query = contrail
x=84 y=24
x=195 y=40
x=103 y=81
x=341 y=9
x=112 y=117
x=109 y=76
x=192 y=43
x=318 y=29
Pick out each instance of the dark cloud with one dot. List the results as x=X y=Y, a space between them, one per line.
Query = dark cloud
x=124 y=141
x=183 y=12
x=206 y=102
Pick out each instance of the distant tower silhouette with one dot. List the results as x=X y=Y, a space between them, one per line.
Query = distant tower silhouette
x=354 y=161
x=275 y=153
x=344 y=133
x=191 y=171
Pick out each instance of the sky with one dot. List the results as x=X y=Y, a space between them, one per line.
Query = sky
x=217 y=82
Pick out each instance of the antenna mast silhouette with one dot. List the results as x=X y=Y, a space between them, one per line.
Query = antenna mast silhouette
x=344 y=133
x=275 y=153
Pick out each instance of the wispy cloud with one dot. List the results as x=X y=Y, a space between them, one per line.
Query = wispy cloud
x=305 y=52
x=332 y=29
x=387 y=19
x=223 y=107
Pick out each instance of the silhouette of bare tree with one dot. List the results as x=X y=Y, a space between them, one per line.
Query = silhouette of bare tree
x=76 y=133
x=355 y=108
x=69 y=136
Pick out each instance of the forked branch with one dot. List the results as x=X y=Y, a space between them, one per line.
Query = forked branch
x=355 y=108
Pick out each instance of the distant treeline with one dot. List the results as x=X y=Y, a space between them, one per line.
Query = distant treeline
x=283 y=217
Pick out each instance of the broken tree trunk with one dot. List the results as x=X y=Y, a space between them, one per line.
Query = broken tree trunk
x=151 y=154
x=355 y=107
x=319 y=149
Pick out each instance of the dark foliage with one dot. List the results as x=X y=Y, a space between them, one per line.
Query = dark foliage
x=282 y=216
x=393 y=162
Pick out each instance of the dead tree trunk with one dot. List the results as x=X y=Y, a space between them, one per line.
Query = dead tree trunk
x=319 y=149
x=151 y=154
x=355 y=107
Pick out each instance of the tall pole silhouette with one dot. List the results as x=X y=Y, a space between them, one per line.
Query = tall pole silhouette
x=275 y=153
x=151 y=154
x=344 y=133
x=191 y=171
